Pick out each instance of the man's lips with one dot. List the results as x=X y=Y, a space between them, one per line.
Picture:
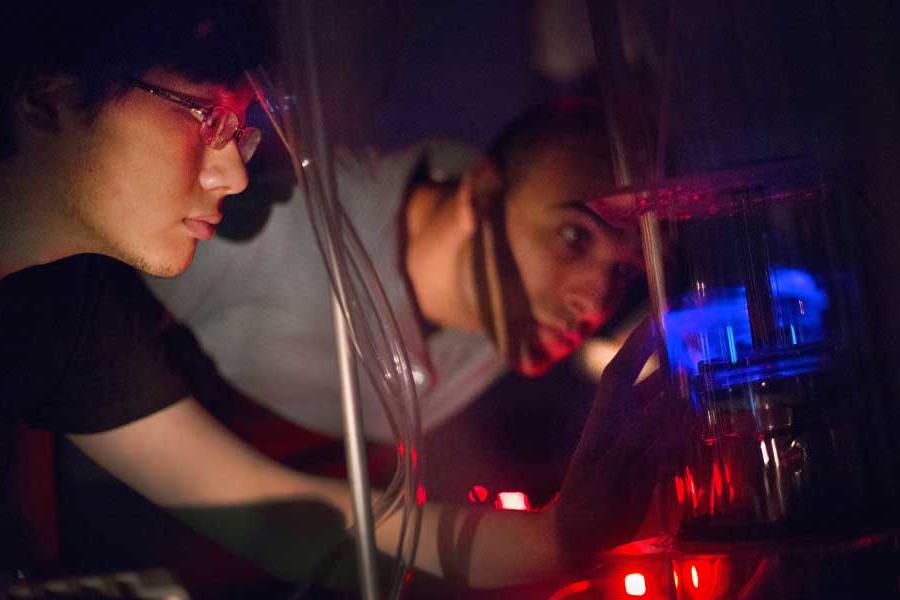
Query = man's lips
x=202 y=228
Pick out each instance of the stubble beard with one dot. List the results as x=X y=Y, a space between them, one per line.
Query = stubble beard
x=83 y=211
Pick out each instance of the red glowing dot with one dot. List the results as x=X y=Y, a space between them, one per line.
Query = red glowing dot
x=420 y=495
x=478 y=494
x=635 y=584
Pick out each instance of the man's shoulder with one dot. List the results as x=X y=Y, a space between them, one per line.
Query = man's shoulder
x=60 y=292
x=86 y=335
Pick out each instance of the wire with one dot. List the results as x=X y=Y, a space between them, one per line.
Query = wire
x=297 y=118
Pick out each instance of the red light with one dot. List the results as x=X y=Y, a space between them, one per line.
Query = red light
x=716 y=491
x=691 y=487
x=512 y=501
x=635 y=584
x=728 y=482
x=478 y=494
x=420 y=495
x=704 y=578
x=679 y=489
x=571 y=589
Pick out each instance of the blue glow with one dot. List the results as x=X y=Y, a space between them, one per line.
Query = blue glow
x=784 y=367
x=713 y=325
x=732 y=349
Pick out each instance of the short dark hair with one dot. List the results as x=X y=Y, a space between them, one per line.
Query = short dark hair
x=99 y=41
x=578 y=124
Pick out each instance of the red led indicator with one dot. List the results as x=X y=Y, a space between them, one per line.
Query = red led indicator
x=478 y=494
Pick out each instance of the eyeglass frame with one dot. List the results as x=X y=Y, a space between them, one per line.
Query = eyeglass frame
x=202 y=113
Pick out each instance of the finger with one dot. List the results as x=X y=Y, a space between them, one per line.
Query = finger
x=670 y=445
x=650 y=386
x=631 y=358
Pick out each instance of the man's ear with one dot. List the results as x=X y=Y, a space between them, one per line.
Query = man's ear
x=480 y=190
x=43 y=104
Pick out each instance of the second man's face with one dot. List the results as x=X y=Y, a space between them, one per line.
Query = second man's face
x=574 y=265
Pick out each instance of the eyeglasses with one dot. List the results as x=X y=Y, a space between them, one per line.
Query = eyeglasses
x=218 y=125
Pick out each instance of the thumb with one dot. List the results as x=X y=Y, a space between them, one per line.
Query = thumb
x=626 y=365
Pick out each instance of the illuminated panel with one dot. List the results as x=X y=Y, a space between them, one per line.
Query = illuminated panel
x=513 y=501
x=635 y=584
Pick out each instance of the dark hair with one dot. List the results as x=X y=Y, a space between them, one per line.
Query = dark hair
x=578 y=124
x=99 y=41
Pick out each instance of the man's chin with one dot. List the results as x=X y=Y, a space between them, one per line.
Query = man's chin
x=168 y=266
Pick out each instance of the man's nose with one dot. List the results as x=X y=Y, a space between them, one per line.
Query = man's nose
x=601 y=282
x=223 y=171
x=587 y=294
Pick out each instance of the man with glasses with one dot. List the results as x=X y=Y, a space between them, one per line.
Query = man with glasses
x=101 y=166
x=121 y=135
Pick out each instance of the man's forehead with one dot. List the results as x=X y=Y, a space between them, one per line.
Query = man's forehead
x=231 y=96
x=619 y=209
x=242 y=94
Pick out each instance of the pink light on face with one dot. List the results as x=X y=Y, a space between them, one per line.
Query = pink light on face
x=635 y=584
x=512 y=501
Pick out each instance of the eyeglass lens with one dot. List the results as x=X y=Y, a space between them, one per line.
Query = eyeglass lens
x=219 y=128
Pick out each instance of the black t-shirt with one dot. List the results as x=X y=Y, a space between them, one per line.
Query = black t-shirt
x=83 y=347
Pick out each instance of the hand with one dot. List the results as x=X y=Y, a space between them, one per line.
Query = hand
x=631 y=433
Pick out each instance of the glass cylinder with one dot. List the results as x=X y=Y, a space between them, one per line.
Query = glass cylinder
x=756 y=286
x=748 y=135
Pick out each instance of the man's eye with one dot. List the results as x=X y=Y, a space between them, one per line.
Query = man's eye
x=575 y=237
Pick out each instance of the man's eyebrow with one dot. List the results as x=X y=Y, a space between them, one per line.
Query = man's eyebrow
x=584 y=209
